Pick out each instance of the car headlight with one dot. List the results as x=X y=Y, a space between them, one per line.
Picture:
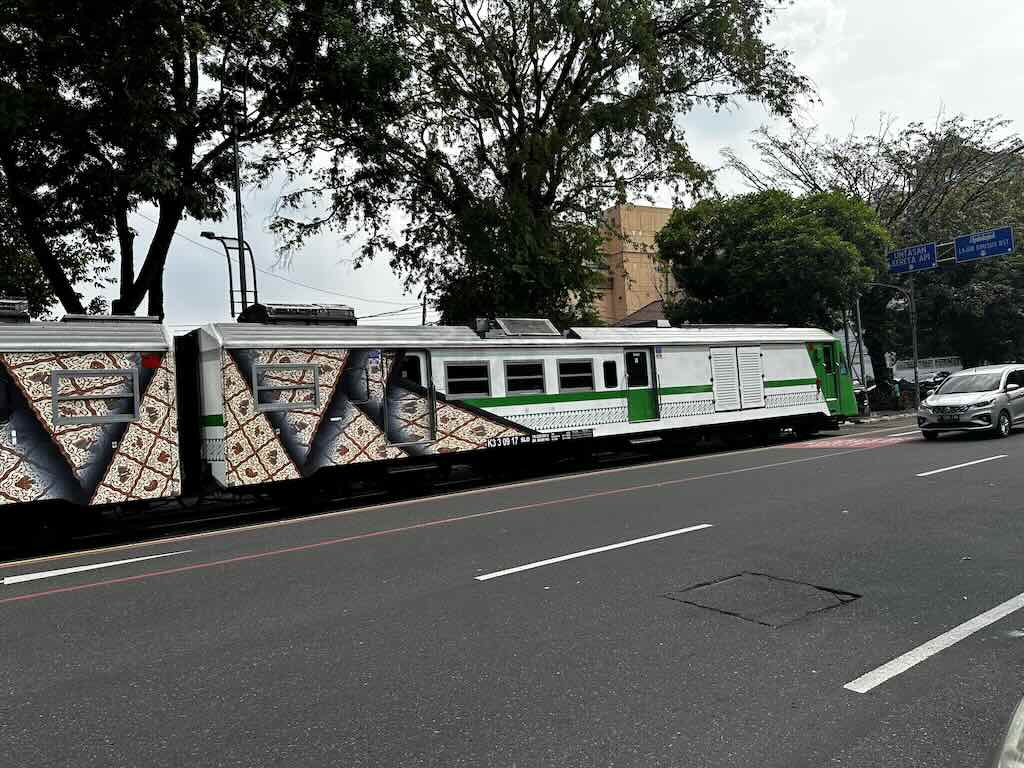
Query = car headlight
x=983 y=404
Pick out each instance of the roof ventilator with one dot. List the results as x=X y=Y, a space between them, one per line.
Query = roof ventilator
x=515 y=327
x=298 y=314
x=14 y=310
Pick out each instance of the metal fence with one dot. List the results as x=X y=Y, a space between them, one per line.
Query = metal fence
x=927 y=366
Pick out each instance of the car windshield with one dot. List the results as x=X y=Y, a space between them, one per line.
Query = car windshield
x=973 y=382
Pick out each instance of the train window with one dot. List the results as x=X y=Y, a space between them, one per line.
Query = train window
x=95 y=396
x=523 y=378
x=611 y=374
x=636 y=369
x=411 y=369
x=827 y=360
x=468 y=379
x=575 y=375
x=286 y=387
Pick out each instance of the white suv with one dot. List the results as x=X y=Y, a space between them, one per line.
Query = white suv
x=977 y=399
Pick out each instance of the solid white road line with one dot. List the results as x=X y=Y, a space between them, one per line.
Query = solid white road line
x=18 y=579
x=905 y=434
x=584 y=553
x=900 y=664
x=960 y=466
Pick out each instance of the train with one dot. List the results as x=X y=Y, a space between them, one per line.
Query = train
x=107 y=412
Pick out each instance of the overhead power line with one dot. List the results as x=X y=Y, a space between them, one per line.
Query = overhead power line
x=273 y=274
x=410 y=308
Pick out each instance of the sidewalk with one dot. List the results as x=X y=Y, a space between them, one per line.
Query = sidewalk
x=877 y=416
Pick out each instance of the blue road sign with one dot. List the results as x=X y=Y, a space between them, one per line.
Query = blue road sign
x=913 y=259
x=981 y=245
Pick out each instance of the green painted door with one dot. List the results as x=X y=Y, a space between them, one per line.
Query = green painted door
x=641 y=397
x=826 y=368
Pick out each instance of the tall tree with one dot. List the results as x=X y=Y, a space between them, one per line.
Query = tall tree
x=927 y=183
x=524 y=119
x=771 y=257
x=103 y=112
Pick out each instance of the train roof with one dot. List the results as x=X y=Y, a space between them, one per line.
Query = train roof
x=701 y=334
x=108 y=335
x=252 y=335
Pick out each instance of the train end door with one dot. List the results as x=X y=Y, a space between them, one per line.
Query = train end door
x=826 y=368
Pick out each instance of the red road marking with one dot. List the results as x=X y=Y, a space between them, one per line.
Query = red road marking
x=856 y=442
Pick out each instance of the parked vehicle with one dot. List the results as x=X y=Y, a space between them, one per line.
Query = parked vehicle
x=989 y=398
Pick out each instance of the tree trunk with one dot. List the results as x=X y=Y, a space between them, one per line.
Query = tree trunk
x=26 y=209
x=150 y=278
x=126 y=244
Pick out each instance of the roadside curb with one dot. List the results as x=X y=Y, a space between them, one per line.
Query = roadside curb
x=877 y=419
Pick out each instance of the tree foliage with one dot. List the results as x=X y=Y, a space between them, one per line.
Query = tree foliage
x=84 y=262
x=927 y=183
x=771 y=257
x=106 y=109
x=519 y=123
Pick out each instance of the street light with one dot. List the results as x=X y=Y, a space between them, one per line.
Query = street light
x=913 y=328
x=232 y=244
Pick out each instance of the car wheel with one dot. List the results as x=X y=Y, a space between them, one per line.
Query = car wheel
x=930 y=435
x=1003 y=424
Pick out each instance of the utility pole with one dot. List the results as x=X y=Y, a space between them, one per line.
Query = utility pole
x=238 y=213
x=913 y=333
x=424 y=322
x=860 y=352
x=846 y=338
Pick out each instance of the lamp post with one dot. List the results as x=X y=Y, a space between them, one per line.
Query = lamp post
x=913 y=328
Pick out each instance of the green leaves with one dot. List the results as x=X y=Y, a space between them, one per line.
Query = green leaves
x=520 y=122
x=103 y=112
x=771 y=257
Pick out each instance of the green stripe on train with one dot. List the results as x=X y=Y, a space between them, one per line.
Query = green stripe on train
x=212 y=420
x=561 y=397
x=573 y=397
x=690 y=390
x=791 y=382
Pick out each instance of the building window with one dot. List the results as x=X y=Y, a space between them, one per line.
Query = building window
x=611 y=374
x=95 y=396
x=286 y=387
x=575 y=375
x=524 y=378
x=468 y=379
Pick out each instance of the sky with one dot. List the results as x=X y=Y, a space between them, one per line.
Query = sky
x=904 y=58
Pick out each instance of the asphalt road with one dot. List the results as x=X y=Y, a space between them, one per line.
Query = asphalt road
x=395 y=636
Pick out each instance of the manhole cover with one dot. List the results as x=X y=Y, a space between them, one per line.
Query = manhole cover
x=763 y=599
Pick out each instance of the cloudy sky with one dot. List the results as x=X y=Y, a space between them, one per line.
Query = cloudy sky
x=907 y=58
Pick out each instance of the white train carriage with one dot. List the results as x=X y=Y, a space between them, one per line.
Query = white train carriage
x=280 y=402
x=87 y=411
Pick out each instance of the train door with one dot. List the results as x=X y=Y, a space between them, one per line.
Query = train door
x=411 y=407
x=641 y=395
x=828 y=374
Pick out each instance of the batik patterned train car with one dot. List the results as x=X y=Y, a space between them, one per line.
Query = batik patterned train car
x=280 y=402
x=87 y=412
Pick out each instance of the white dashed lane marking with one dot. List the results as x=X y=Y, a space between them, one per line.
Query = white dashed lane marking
x=23 y=577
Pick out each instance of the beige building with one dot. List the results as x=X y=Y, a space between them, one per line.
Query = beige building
x=635 y=278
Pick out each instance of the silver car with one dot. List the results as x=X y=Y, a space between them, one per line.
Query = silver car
x=990 y=398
